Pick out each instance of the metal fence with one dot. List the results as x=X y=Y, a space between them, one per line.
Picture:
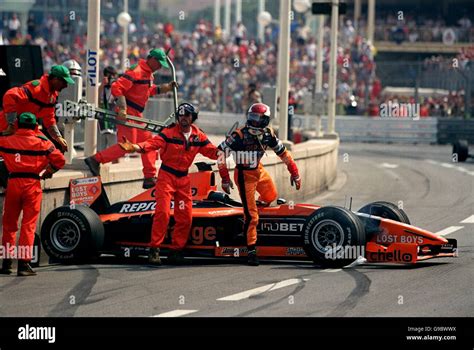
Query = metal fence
x=383 y=130
x=454 y=77
x=449 y=75
x=349 y=128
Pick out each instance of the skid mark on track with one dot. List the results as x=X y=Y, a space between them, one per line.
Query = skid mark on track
x=426 y=180
x=78 y=294
x=360 y=290
x=14 y=282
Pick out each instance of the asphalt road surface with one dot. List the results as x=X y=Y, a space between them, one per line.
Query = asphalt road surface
x=436 y=194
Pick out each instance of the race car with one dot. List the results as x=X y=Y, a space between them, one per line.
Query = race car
x=461 y=150
x=330 y=236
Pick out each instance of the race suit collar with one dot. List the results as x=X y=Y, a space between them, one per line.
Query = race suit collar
x=25 y=132
x=194 y=130
x=142 y=63
x=45 y=83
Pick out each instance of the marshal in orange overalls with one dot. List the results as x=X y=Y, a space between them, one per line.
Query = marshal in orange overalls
x=38 y=97
x=177 y=155
x=137 y=87
x=35 y=97
x=26 y=155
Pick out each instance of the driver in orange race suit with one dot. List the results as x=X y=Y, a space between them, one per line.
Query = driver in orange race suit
x=252 y=140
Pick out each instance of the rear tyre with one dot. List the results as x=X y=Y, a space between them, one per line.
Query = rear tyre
x=385 y=210
x=333 y=237
x=461 y=149
x=72 y=235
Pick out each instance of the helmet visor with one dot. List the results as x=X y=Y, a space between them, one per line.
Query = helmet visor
x=257 y=120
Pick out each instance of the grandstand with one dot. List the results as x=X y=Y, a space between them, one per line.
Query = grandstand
x=417 y=43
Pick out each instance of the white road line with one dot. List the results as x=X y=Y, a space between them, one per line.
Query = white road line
x=331 y=270
x=449 y=230
x=462 y=170
x=450 y=166
x=176 y=313
x=267 y=288
x=447 y=165
x=469 y=220
x=389 y=166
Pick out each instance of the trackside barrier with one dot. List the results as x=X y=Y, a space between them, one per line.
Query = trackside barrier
x=219 y=123
x=384 y=130
x=450 y=130
x=349 y=128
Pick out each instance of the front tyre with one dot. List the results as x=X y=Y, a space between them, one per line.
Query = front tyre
x=385 y=210
x=334 y=237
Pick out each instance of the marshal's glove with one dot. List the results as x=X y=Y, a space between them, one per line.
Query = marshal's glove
x=168 y=87
x=10 y=130
x=54 y=133
x=48 y=173
x=292 y=169
x=227 y=185
x=122 y=114
x=129 y=147
x=62 y=144
x=296 y=181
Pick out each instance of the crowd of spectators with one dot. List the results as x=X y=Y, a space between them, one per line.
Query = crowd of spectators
x=215 y=70
x=409 y=26
x=449 y=105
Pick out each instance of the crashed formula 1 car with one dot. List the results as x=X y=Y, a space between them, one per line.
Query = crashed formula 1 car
x=330 y=236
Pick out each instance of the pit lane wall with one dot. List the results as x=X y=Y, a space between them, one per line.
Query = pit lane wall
x=316 y=160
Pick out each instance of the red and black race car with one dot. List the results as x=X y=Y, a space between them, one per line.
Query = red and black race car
x=330 y=235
